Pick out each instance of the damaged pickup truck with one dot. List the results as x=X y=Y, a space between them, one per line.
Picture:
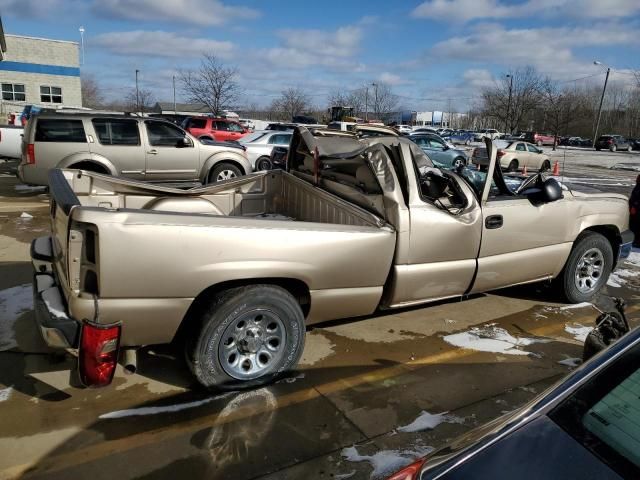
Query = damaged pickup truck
x=234 y=272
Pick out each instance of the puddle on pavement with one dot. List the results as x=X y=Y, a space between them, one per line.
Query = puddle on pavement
x=24 y=229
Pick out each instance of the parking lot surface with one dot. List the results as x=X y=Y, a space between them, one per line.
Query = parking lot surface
x=370 y=394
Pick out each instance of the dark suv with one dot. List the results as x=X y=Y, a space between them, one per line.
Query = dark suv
x=613 y=143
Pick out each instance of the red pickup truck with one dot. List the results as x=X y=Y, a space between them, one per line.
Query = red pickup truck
x=539 y=139
x=220 y=129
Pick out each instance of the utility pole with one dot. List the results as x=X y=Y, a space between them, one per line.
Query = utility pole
x=137 y=93
x=81 y=30
x=175 y=110
x=366 y=104
x=604 y=89
x=507 y=123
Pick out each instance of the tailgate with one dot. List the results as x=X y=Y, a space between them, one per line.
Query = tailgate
x=63 y=200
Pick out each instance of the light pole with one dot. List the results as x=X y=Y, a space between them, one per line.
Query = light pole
x=366 y=104
x=508 y=121
x=137 y=93
x=81 y=30
x=604 y=89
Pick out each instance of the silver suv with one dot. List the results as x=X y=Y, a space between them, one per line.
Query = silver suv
x=136 y=148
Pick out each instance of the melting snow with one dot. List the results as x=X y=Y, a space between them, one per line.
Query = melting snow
x=578 y=331
x=5 y=393
x=619 y=278
x=133 y=412
x=570 y=362
x=14 y=302
x=428 y=421
x=26 y=216
x=385 y=462
x=577 y=305
x=490 y=338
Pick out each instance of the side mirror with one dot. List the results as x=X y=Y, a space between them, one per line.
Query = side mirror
x=445 y=147
x=184 y=142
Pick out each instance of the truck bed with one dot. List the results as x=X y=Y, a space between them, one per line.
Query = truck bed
x=154 y=249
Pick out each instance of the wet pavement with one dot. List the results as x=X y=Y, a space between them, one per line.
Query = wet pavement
x=369 y=396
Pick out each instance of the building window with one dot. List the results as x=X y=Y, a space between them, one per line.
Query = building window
x=13 y=91
x=50 y=94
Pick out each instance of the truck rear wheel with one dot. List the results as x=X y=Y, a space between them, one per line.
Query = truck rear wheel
x=587 y=268
x=247 y=337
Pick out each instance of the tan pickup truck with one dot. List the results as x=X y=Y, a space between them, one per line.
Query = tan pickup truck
x=236 y=271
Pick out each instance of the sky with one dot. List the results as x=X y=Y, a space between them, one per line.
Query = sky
x=433 y=53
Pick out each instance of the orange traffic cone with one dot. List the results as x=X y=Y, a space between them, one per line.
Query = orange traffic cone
x=556 y=169
x=524 y=171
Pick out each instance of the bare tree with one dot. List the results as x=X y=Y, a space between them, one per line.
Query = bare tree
x=512 y=105
x=143 y=101
x=560 y=105
x=213 y=84
x=292 y=102
x=91 y=93
x=383 y=100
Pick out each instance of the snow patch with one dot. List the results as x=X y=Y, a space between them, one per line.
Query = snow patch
x=570 y=362
x=135 y=412
x=619 y=278
x=14 y=302
x=53 y=300
x=26 y=216
x=577 y=305
x=385 y=462
x=429 y=421
x=5 y=393
x=490 y=338
x=578 y=331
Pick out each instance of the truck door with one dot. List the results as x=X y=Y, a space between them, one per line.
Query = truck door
x=171 y=154
x=522 y=241
x=436 y=255
x=119 y=141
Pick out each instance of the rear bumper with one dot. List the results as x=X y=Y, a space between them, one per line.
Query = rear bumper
x=58 y=329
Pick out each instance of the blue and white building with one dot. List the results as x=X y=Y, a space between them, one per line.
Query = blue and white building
x=39 y=71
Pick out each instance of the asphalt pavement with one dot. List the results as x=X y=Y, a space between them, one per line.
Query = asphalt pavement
x=370 y=395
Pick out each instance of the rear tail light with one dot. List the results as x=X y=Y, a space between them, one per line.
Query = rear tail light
x=31 y=154
x=501 y=153
x=412 y=472
x=98 y=353
x=610 y=141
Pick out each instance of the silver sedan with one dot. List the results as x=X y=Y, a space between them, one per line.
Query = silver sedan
x=259 y=145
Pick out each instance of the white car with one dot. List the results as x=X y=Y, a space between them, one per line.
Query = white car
x=491 y=133
x=259 y=145
x=404 y=128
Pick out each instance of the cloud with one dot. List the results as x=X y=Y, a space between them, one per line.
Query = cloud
x=392 y=79
x=550 y=50
x=40 y=9
x=477 y=78
x=161 y=44
x=461 y=11
x=195 y=12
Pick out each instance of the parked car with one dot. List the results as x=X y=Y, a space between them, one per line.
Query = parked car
x=586 y=426
x=490 y=133
x=404 y=129
x=613 y=143
x=220 y=129
x=283 y=127
x=424 y=130
x=461 y=137
x=247 y=123
x=635 y=143
x=514 y=156
x=539 y=139
x=241 y=295
x=135 y=148
x=11 y=141
x=259 y=145
x=438 y=151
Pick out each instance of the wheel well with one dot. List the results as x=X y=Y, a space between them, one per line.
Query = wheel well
x=90 y=166
x=297 y=288
x=611 y=233
x=231 y=162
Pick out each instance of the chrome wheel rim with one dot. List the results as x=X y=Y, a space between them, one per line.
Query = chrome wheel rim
x=225 y=175
x=458 y=163
x=589 y=270
x=252 y=344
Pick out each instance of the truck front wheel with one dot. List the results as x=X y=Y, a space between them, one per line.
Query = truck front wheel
x=587 y=268
x=247 y=337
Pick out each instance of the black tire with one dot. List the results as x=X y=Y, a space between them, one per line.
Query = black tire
x=224 y=169
x=210 y=334
x=567 y=279
x=263 y=163
x=597 y=149
x=513 y=166
x=546 y=165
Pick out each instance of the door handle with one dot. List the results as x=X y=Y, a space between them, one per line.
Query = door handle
x=493 y=221
x=153 y=152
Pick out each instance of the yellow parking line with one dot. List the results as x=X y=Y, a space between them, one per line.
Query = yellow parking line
x=109 y=447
